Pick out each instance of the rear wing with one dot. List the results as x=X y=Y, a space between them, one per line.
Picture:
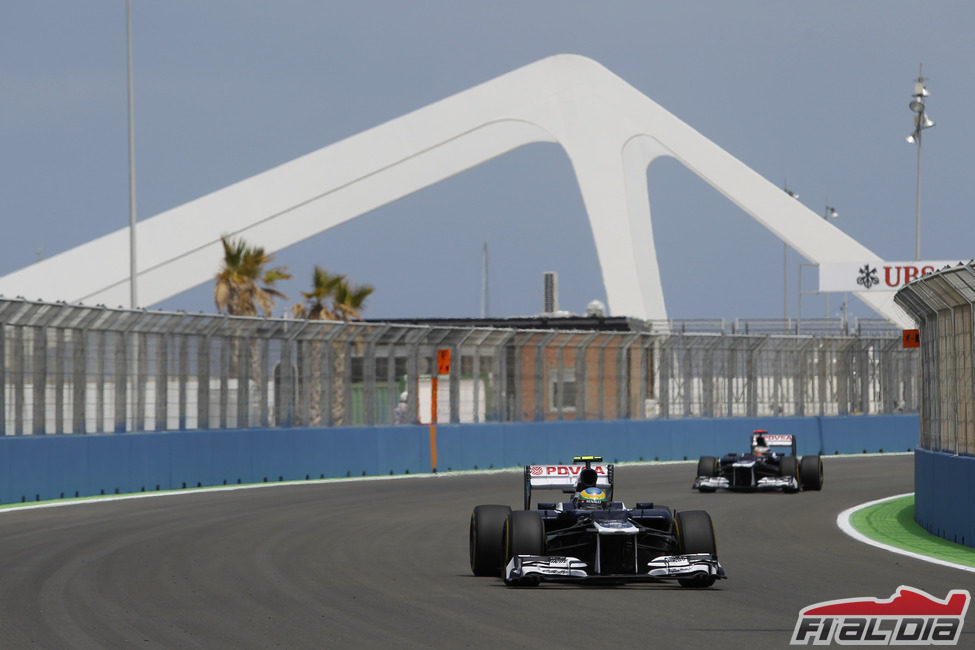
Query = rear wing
x=774 y=440
x=569 y=478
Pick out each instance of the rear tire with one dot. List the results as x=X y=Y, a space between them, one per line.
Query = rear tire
x=811 y=472
x=486 y=539
x=695 y=534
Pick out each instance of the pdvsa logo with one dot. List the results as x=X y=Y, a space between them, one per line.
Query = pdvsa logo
x=562 y=470
x=909 y=617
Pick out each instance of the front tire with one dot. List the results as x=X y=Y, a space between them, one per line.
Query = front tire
x=789 y=466
x=695 y=534
x=486 y=539
x=524 y=534
x=707 y=466
x=811 y=472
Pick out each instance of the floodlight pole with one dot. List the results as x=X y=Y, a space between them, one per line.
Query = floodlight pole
x=785 y=284
x=921 y=122
x=785 y=266
x=917 y=206
x=133 y=297
x=829 y=213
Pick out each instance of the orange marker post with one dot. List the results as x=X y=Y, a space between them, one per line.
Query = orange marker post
x=433 y=423
x=443 y=368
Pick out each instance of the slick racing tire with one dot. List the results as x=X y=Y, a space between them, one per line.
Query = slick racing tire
x=695 y=534
x=524 y=534
x=811 y=472
x=487 y=541
x=707 y=466
x=790 y=467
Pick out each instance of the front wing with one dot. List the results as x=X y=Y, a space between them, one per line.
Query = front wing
x=532 y=569
x=764 y=483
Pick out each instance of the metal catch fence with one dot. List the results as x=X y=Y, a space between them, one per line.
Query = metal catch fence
x=943 y=303
x=73 y=369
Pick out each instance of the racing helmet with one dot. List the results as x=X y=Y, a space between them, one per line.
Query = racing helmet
x=761 y=447
x=591 y=498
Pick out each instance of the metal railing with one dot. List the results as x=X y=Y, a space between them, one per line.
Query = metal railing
x=72 y=369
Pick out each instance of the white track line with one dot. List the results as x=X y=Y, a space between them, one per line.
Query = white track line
x=92 y=499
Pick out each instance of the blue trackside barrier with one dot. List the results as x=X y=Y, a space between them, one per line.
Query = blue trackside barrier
x=510 y=445
x=44 y=467
x=38 y=468
x=943 y=487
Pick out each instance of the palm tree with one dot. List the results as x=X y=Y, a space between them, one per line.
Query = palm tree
x=346 y=303
x=323 y=286
x=243 y=285
x=348 y=300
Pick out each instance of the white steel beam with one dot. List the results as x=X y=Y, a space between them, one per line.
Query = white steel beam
x=610 y=131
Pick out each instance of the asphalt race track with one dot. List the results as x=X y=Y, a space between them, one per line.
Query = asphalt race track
x=379 y=564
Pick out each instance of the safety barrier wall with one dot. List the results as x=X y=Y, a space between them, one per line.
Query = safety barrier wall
x=40 y=468
x=943 y=507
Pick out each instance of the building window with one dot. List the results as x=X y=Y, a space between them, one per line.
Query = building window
x=562 y=394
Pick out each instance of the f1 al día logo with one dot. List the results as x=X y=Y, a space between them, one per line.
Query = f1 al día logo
x=909 y=617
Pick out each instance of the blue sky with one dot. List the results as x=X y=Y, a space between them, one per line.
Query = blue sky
x=814 y=95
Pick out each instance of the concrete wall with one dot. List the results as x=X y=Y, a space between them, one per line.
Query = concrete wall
x=39 y=468
x=944 y=485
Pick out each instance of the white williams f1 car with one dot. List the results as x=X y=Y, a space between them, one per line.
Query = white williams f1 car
x=770 y=464
x=590 y=538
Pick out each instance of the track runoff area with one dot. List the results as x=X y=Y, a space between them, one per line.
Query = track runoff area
x=889 y=524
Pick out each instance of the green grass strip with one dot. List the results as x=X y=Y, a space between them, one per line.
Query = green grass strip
x=892 y=523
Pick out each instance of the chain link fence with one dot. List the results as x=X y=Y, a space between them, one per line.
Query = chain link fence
x=72 y=369
x=944 y=305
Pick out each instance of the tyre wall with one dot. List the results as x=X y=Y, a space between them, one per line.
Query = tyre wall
x=944 y=484
x=40 y=468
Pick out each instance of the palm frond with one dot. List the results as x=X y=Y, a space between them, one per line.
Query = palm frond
x=236 y=290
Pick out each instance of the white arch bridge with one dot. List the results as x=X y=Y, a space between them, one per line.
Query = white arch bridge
x=610 y=131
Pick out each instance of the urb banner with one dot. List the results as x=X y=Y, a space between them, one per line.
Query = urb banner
x=874 y=275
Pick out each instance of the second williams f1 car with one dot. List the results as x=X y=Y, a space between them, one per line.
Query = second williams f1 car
x=771 y=463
